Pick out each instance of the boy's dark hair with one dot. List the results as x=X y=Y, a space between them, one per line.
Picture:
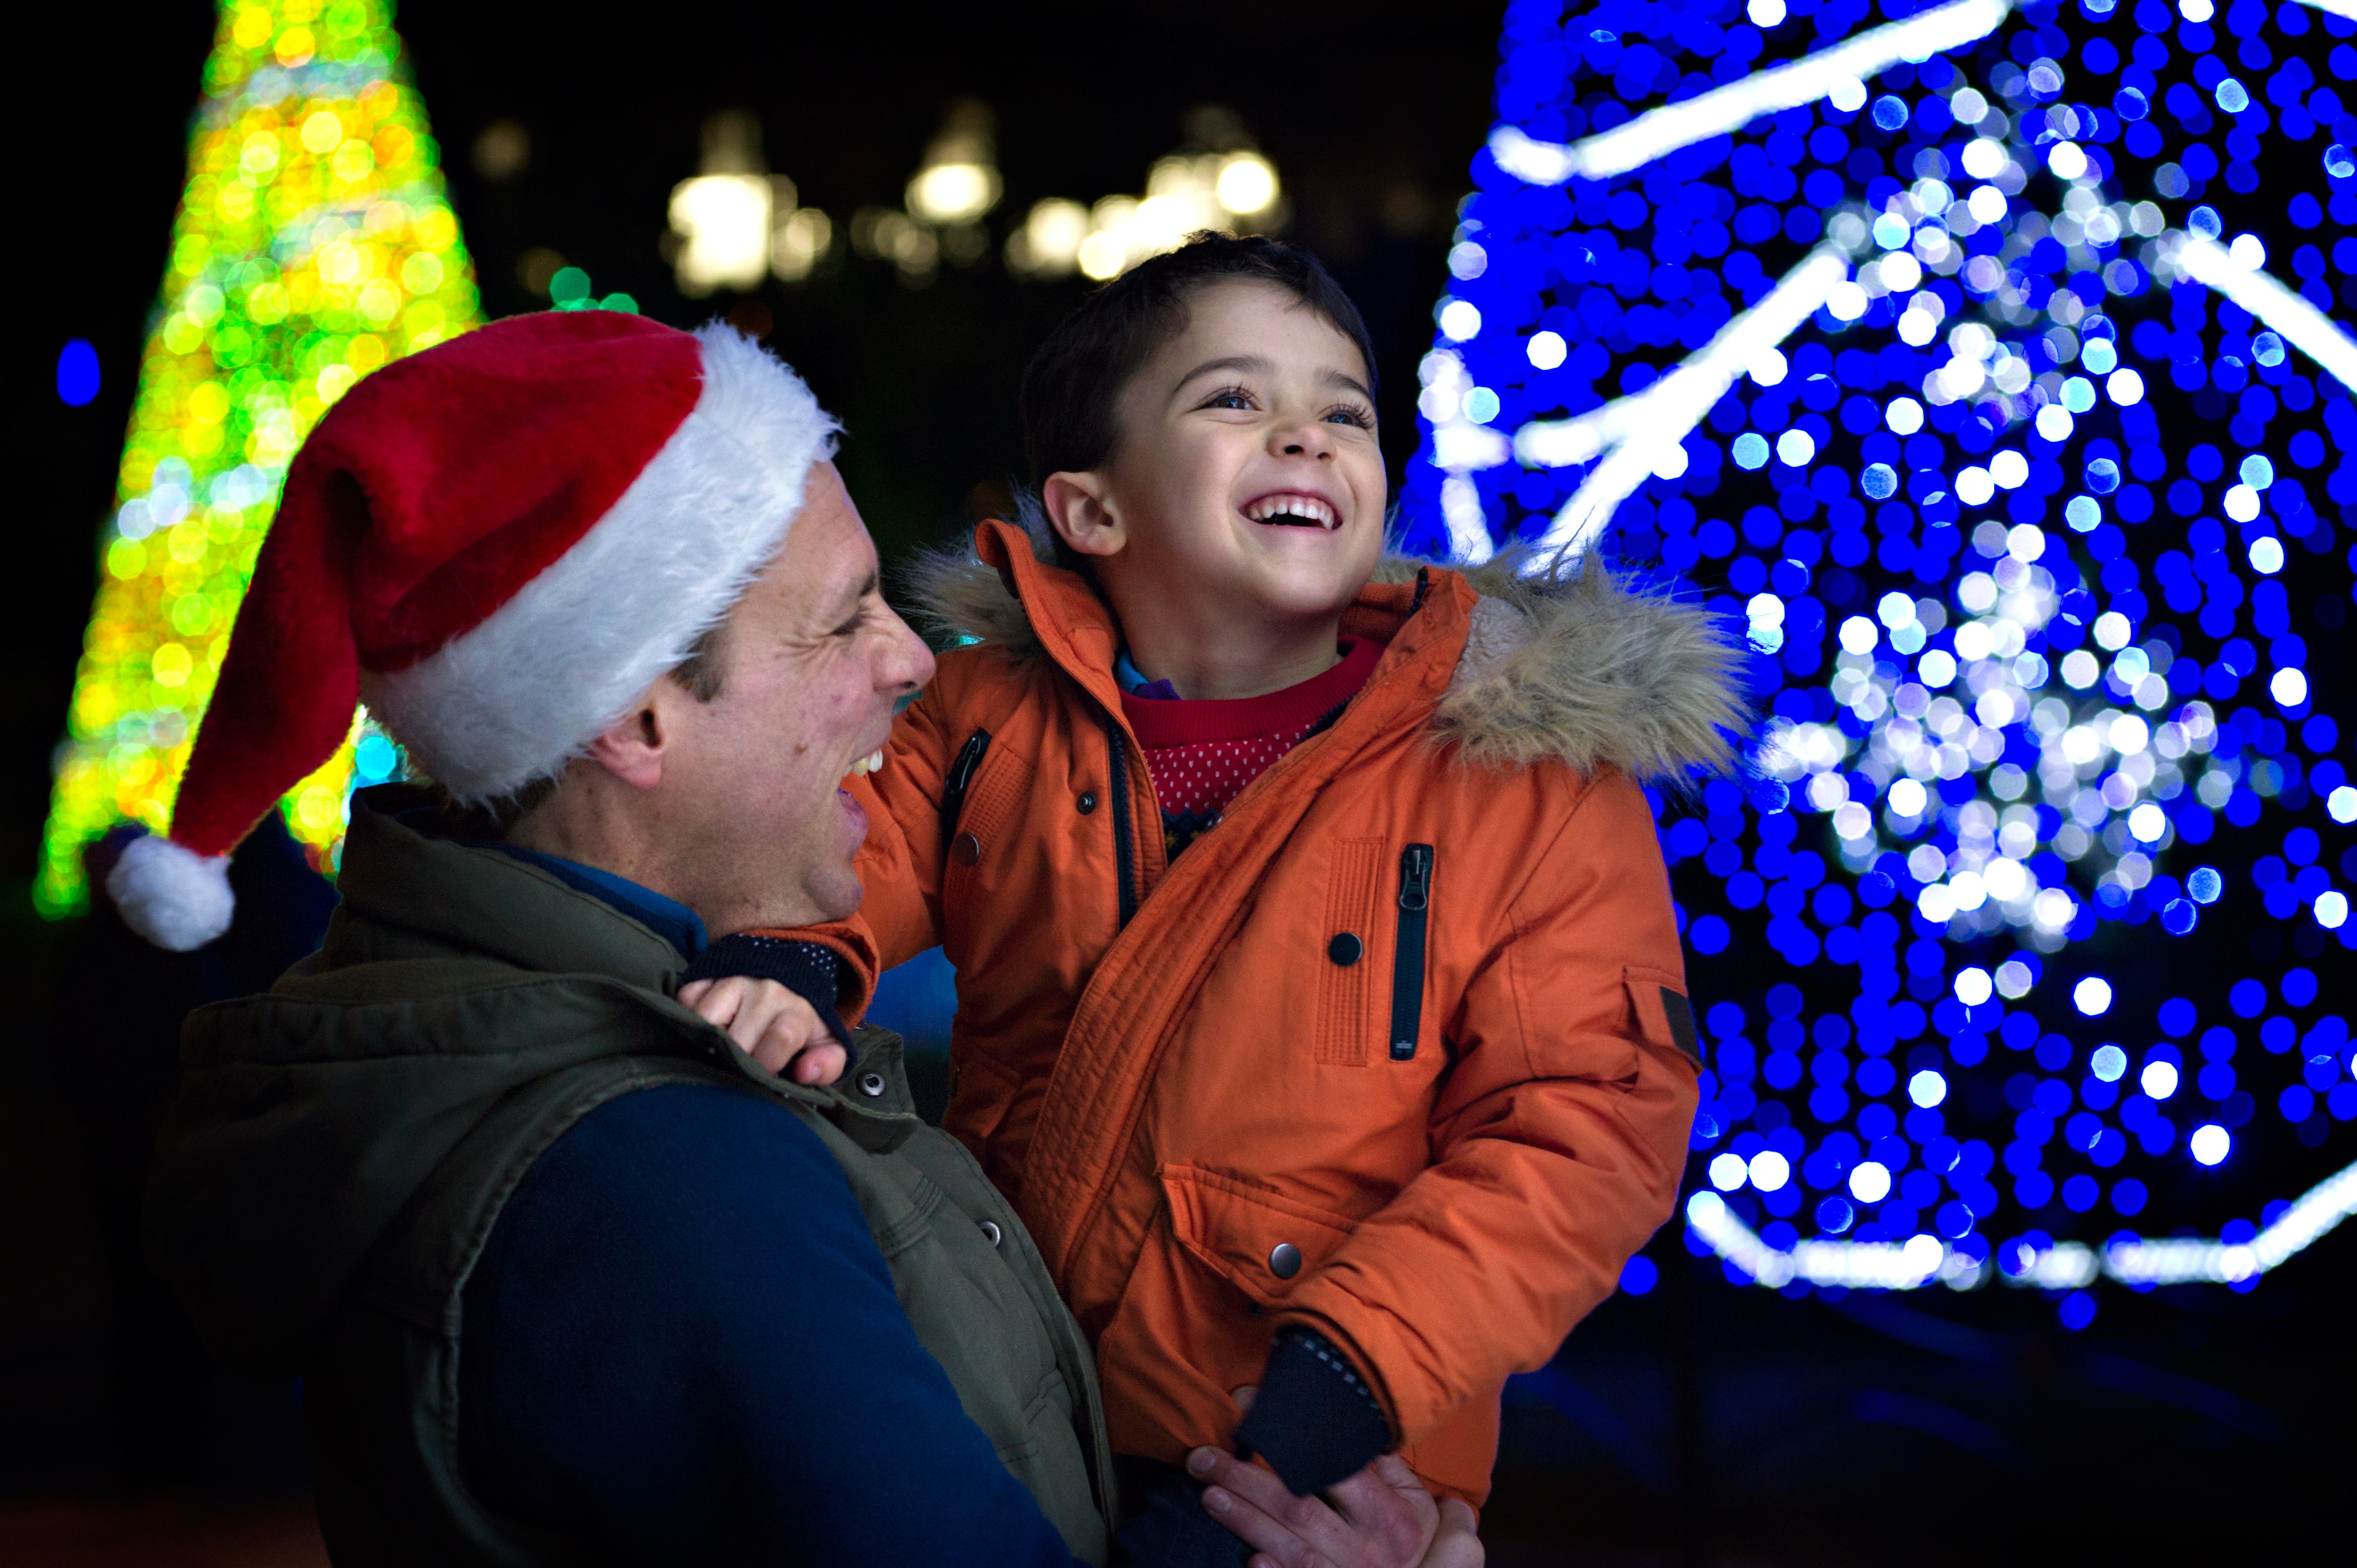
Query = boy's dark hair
x=1071 y=384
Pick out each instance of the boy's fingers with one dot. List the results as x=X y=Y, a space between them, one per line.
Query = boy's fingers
x=756 y=1015
x=715 y=1001
x=820 y=1064
x=1244 y=1396
x=770 y=1023
x=788 y=1029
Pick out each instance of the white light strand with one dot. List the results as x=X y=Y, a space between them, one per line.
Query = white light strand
x=1644 y=429
x=2067 y=1265
x=2338 y=7
x=1728 y=108
x=2300 y=322
x=1861 y=1265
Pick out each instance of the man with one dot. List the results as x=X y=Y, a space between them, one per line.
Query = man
x=568 y=1273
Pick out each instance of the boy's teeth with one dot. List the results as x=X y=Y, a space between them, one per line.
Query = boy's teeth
x=1318 y=512
x=868 y=764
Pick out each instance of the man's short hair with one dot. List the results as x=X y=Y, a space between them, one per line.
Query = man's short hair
x=705 y=670
x=702 y=675
x=1073 y=384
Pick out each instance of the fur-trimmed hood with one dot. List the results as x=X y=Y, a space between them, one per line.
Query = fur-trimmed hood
x=1567 y=662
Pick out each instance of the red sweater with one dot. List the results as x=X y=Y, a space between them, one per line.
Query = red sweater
x=1201 y=754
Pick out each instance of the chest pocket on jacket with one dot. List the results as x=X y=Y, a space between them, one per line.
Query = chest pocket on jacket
x=1353 y=994
x=979 y=800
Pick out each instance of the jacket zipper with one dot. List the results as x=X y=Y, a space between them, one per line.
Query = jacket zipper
x=1408 y=960
x=962 y=768
x=1124 y=830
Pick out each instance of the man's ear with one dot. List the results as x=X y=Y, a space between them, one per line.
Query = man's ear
x=1082 y=513
x=634 y=747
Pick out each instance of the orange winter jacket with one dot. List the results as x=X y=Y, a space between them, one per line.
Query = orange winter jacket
x=1413 y=1009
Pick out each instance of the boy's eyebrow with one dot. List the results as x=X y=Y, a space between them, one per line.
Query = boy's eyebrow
x=1262 y=363
x=1348 y=383
x=1232 y=362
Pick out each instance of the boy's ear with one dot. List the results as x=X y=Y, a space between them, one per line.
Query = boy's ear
x=1082 y=513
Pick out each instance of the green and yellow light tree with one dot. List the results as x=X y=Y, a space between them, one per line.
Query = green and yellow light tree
x=315 y=243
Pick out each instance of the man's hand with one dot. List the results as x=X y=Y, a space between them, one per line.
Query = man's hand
x=1380 y=1518
x=774 y=1026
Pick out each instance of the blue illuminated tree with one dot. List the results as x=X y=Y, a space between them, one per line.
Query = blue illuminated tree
x=2026 y=931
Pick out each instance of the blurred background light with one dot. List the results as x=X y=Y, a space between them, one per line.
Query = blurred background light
x=2007 y=521
x=77 y=373
x=314 y=242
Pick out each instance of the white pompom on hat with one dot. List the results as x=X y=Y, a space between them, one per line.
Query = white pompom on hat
x=498 y=545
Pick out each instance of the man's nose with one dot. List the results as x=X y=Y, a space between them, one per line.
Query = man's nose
x=907 y=663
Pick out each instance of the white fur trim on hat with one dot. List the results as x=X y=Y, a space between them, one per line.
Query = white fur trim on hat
x=174 y=896
x=516 y=697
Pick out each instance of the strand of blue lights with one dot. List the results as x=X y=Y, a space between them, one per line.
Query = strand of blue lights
x=2036 y=681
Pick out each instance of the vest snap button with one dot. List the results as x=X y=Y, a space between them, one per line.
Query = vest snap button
x=871 y=1084
x=1345 y=950
x=965 y=849
x=990 y=1229
x=1087 y=802
x=1284 y=1259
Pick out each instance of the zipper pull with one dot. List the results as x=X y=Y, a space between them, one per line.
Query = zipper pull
x=1407 y=957
x=963 y=767
x=1416 y=876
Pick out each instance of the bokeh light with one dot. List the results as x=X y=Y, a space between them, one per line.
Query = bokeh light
x=314 y=242
x=2034 y=538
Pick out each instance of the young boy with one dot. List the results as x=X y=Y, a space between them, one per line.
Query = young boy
x=1320 y=998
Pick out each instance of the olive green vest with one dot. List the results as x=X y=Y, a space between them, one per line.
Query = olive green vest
x=342 y=1147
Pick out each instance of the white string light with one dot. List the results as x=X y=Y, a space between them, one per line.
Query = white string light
x=1724 y=109
x=2296 y=321
x=2067 y=1265
x=1646 y=432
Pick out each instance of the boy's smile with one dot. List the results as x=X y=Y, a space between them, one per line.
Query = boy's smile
x=1241 y=510
x=1295 y=509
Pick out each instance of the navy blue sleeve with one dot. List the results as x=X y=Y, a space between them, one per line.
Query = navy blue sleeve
x=1314 y=1420
x=682 y=1344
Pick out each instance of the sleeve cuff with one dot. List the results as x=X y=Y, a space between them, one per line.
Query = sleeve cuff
x=1315 y=1418
x=856 y=961
x=809 y=969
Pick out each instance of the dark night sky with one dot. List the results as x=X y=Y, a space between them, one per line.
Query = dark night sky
x=1369 y=113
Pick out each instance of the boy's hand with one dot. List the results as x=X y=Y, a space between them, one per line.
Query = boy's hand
x=1380 y=1518
x=774 y=1026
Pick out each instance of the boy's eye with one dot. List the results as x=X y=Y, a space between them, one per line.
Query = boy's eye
x=1229 y=397
x=1359 y=417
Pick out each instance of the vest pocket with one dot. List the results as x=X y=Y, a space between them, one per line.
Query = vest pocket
x=1349 y=975
x=1259 y=1242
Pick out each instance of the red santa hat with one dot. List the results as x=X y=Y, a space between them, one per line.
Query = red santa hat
x=496 y=545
